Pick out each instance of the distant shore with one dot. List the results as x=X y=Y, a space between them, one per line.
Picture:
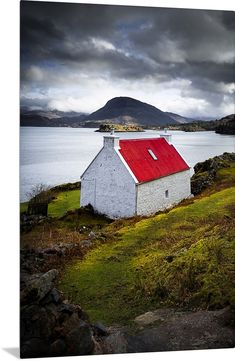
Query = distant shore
x=105 y=128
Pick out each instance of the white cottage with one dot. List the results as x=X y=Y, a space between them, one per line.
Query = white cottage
x=131 y=177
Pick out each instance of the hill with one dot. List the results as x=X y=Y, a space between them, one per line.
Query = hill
x=225 y=125
x=119 y=110
x=179 y=119
x=163 y=282
x=180 y=258
x=50 y=118
x=125 y=110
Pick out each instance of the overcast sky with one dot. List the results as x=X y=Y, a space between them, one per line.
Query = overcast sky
x=77 y=57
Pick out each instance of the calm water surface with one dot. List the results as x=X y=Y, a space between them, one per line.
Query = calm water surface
x=59 y=155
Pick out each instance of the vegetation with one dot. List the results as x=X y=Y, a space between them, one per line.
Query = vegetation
x=64 y=202
x=120 y=128
x=224 y=125
x=72 y=227
x=61 y=198
x=180 y=258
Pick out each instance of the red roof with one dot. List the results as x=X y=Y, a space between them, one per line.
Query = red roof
x=137 y=154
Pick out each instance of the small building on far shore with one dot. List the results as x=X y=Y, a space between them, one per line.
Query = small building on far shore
x=131 y=177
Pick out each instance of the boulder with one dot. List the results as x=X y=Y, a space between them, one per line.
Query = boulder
x=38 y=286
x=86 y=243
x=79 y=340
x=58 y=348
x=100 y=329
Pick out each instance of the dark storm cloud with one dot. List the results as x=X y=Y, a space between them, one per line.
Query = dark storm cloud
x=127 y=43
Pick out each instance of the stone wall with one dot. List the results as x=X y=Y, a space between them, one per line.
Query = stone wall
x=163 y=193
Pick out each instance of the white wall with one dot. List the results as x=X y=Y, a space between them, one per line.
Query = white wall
x=151 y=195
x=108 y=186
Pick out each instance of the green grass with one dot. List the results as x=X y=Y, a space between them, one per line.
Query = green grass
x=64 y=201
x=23 y=207
x=130 y=275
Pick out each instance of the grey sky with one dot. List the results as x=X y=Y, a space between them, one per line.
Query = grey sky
x=77 y=57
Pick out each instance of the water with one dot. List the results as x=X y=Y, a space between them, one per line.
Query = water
x=59 y=155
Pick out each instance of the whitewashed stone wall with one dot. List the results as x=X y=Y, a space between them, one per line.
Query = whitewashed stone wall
x=107 y=185
x=151 y=196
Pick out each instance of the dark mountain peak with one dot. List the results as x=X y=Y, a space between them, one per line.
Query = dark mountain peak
x=125 y=101
x=126 y=109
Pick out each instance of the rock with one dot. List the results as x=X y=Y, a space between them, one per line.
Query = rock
x=67 y=308
x=151 y=317
x=97 y=348
x=49 y=326
x=205 y=172
x=91 y=235
x=99 y=329
x=58 y=348
x=80 y=341
x=115 y=343
x=54 y=250
x=82 y=229
x=86 y=243
x=35 y=347
x=56 y=296
x=146 y=319
x=37 y=322
x=185 y=330
x=169 y=258
x=201 y=181
x=38 y=286
x=53 y=296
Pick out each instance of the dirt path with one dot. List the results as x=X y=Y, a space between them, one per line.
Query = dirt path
x=169 y=330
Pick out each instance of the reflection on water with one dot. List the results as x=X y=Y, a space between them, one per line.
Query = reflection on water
x=60 y=155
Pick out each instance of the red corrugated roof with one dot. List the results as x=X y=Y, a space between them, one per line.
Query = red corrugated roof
x=144 y=167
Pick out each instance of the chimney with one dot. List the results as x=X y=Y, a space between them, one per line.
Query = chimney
x=111 y=140
x=166 y=135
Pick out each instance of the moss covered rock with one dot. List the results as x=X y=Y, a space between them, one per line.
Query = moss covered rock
x=205 y=172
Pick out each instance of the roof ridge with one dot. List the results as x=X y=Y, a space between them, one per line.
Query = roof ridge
x=141 y=139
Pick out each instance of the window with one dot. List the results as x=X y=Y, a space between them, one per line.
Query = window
x=152 y=154
x=167 y=193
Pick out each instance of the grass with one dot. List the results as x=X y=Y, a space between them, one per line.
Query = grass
x=64 y=201
x=72 y=227
x=131 y=275
x=183 y=257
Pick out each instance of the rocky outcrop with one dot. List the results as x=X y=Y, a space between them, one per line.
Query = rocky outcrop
x=172 y=330
x=50 y=326
x=205 y=172
x=169 y=329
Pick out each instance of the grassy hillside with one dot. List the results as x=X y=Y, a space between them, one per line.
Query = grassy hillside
x=182 y=258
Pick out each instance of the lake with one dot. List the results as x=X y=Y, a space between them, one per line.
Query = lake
x=59 y=155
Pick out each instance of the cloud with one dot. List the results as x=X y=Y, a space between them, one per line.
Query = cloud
x=34 y=74
x=78 y=56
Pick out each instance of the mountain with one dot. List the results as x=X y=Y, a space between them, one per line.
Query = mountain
x=125 y=110
x=119 y=110
x=179 y=119
x=53 y=118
